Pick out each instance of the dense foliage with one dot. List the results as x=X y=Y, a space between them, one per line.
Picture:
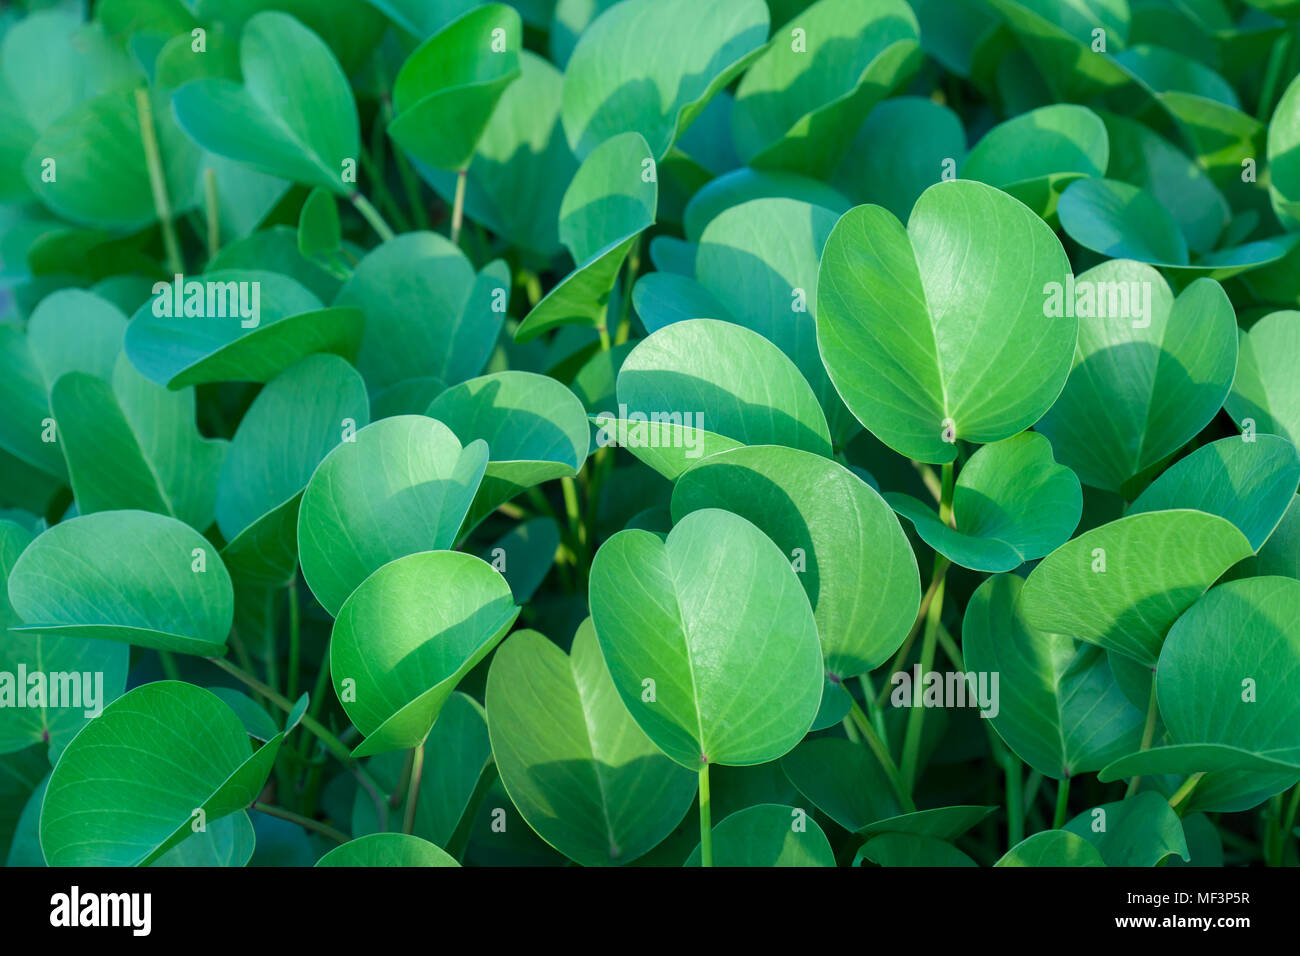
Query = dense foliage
x=662 y=432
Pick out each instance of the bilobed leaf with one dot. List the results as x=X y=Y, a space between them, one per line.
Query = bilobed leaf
x=143 y=768
x=737 y=386
x=445 y=92
x=715 y=617
x=130 y=576
x=536 y=430
x=760 y=260
x=1123 y=585
x=99 y=666
x=1012 y=503
x=1227 y=678
x=574 y=762
x=1139 y=831
x=427 y=314
x=800 y=103
x=1035 y=155
x=103 y=179
x=301 y=415
x=842 y=779
x=768 y=835
x=1059 y=707
x=612 y=199
x=848 y=549
x=403 y=485
x=1052 y=848
x=938 y=332
x=387 y=849
x=522 y=163
x=292 y=117
x=130 y=443
x=405 y=638
x=1148 y=375
x=923 y=135
x=236 y=325
x=1266 y=391
x=661 y=90
x=1251 y=483
x=455 y=756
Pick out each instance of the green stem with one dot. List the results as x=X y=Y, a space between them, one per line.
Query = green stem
x=916 y=718
x=317 y=699
x=268 y=644
x=169 y=665
x=413 y=789
x=458 y=206
x=632 y=267
x=1183 y=792
x=706 y=826
x=310 y=824
x=881 y=750
x=295 y=649
x=1148 y=734
x=371 y=215
x=158 y=181
x=1062 y=803
x=213 y=208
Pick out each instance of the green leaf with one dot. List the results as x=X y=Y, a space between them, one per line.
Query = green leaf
x=234 y=325
x=1251 y=483
x=1139 y=831
x=800 y=103
x=129 y=576
x=405 y=638
x=574 y=762
x=611 y=200
x=1266 y=391
x=23 y=393
x=1227 y=678
x=75 y=331
x=319 y=233
x=403 y=485
x=842 y=779
x=102 y=175
x=293 y=116
x=1284 y=157
x=132 y=444
x=1063 y=714
x=937 y=332
x=739 y=186
x=848 y=548
x=1035 y=155
x=387 y=849
x=525 y=555
x=922 y=135
x=1059 y=39
x=661 y=90
x=768 y=835
x=455 y=757
x=760 y=260
x=294 y=422
x=905 y=849
x=230 y=841
x=446 y=90
x=1012 y=503
x=1052 y=848
x=1146 y=377
x=737 y=386
x=522 y=164
x=95 y=672
x=1121 y=221
x=143 y=769
x=941 y=823
x=715 y=623
x=1123 y=585
x=536 y=430
x=427 y=314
